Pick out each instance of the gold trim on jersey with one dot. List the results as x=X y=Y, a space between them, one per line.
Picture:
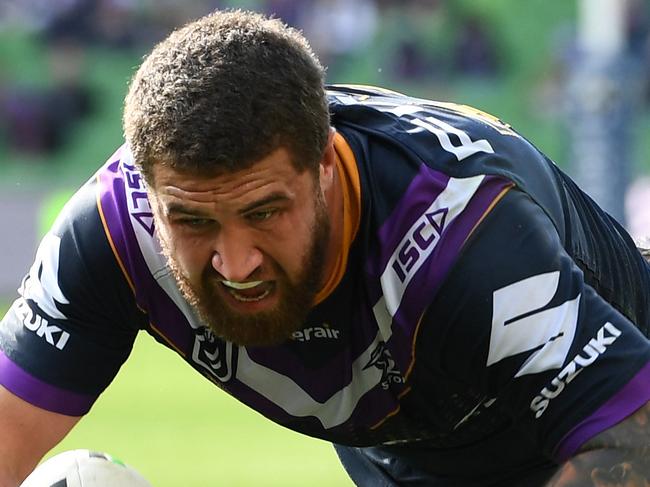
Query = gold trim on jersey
x=489 y=208
x=348 y=173
x=110 y=238
x=123 y=267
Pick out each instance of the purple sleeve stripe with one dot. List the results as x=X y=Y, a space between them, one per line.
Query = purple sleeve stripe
x=630 y=398
x=41 y=394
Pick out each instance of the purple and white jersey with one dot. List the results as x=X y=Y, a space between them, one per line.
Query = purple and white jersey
x=489 y=311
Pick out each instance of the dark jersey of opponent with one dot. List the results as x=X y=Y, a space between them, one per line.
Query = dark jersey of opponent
x=487 y=312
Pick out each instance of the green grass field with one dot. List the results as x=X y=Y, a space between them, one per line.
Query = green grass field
x=178 y=429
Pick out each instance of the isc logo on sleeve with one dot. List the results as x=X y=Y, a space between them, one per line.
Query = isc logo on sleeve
x=424 y=233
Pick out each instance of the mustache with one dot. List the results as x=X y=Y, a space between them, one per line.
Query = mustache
x=213 y=277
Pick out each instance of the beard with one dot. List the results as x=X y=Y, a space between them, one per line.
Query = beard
x=269 y=327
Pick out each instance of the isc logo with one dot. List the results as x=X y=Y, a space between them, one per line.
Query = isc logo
x=422 y=235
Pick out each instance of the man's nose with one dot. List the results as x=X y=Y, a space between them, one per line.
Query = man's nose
x=235 y=256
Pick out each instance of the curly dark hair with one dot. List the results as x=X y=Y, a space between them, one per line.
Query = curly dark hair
x=223 y=92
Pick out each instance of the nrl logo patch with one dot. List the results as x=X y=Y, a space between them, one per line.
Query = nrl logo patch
x=214 y=355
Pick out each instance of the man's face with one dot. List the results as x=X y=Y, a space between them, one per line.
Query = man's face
x=248 y=248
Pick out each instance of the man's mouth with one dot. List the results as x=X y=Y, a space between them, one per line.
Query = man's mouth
x=248 y=292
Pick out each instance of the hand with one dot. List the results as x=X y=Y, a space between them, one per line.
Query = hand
x=625 y=474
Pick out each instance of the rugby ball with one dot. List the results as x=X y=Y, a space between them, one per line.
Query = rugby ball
x=84 y=468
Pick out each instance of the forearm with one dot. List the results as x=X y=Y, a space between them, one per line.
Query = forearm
x=618 y=457
x=11 y=474
x=26 y=434
x=605 y=468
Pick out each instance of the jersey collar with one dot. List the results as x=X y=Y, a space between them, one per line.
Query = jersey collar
x=348 y=173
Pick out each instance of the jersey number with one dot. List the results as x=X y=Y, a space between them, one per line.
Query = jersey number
x=465 y=146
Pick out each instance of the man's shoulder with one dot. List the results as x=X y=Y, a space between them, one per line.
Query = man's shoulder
x=352 y=102
x=77 y=258
x=75 y=306
x=81 y=227
x=79 y=230
x=455 y=139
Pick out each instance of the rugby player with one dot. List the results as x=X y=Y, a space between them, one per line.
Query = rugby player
x=410 y=280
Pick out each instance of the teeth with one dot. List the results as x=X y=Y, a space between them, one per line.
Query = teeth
x=246 y=299
x=242 y=285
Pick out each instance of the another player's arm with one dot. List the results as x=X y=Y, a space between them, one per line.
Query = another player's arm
x=27 y=433
x=617 y=457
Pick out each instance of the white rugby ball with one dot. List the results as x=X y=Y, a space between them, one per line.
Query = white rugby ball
x=84 y=468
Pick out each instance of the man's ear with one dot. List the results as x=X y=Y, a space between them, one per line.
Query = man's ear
x=327 y=166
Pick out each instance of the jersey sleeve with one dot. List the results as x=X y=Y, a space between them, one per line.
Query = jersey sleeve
x=517 y=322
x=75 y=320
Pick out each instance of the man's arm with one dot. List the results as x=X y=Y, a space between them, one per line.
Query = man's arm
x=26 y=434
x=617 y=457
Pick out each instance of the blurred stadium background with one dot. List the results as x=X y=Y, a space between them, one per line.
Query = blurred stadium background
x=64 y=68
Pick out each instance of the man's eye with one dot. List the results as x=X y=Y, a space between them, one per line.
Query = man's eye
x=195 y=222
x=261 y=215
